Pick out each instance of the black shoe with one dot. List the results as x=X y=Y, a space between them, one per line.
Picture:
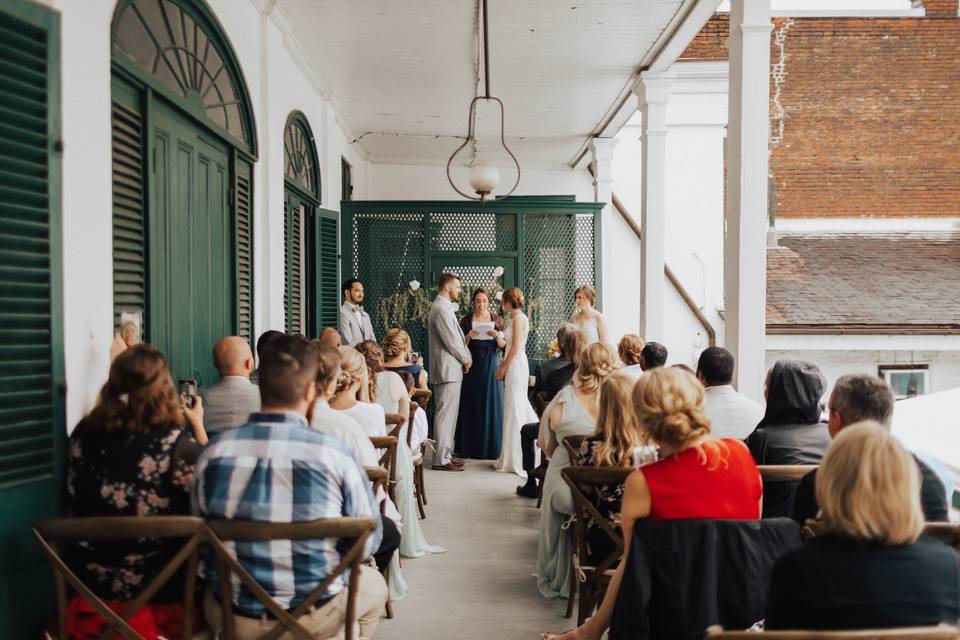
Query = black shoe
x=528 y=490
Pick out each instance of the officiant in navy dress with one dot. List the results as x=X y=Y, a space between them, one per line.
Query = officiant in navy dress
x=480 y=421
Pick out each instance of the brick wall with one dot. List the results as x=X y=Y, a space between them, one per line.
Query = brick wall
x=867 y=119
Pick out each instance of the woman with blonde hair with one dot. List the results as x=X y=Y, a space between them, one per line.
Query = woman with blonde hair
x=386 y=387
x=353 y=394
x=398 y=358
x=573 y=411
x=698 y=478
x=869 y=567
x=630 y=351
x=591 y=322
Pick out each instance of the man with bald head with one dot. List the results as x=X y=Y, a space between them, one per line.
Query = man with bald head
x=331 y=337
x=230 y=402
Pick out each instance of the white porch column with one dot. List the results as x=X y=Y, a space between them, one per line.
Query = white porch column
x=652 y=91
x=745 y=250
x=601 y=150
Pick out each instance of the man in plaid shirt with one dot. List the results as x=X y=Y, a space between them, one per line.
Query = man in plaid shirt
x=276 y=469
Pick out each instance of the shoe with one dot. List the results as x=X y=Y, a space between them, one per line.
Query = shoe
x=446 y=467
x=528 y=490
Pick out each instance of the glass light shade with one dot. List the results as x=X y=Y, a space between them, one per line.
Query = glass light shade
x=484 y=177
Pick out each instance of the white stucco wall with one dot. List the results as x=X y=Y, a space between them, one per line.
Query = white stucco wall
x=277 y=85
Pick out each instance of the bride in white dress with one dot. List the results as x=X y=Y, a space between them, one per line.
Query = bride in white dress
x=515 y=373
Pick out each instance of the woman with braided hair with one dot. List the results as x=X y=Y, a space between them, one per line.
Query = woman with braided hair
x=353 y=394
x=698 y=478
x=573 y=412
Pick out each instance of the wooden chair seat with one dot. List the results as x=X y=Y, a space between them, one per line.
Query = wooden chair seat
x=221 y=531
x=784 y=472
x=942 y=632
x=49 y=533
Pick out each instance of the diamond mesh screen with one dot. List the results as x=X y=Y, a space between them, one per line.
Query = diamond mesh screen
x=388 y=251
x=558 y=257
x=473 y=231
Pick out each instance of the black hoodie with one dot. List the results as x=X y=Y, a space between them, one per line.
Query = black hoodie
x=790 y=431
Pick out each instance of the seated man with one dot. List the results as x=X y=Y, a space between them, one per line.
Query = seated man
x=276 y=469
x=856 y=398
x=263 y=345
x=331 y=337
x=654 y=355
x=230 y=402
x=731 y=414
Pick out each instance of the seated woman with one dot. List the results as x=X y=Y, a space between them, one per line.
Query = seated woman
x=133 y=455
x=397 y=356
x=870 y=568
x=791 y=431
x=572 y=413
x=697 y=478
x=353 y=394
x=630 y=351
x=386 y=387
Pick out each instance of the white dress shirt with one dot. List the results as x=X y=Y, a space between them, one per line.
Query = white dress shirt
x=731 y=414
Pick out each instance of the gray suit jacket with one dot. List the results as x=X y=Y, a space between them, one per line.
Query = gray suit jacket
x=448 y=353
x=229 y=403
x=355 y=326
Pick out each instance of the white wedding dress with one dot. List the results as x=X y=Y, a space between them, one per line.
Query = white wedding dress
x=517 y=410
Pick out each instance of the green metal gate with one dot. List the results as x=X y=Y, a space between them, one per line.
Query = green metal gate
x=545 y=245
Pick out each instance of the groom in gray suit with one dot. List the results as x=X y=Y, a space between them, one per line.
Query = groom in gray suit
x=449 y=360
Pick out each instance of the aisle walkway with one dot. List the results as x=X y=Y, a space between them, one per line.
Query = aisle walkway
x=482 y=587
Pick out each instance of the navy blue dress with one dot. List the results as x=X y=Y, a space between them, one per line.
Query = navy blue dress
x=480 y=421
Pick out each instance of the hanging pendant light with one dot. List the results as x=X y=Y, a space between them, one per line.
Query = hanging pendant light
x=484 y=177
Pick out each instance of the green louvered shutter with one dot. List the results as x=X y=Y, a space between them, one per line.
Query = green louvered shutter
x=129 y=246
x=31 y=343
x=328 y=288
x=244 y=243
x=293 y=248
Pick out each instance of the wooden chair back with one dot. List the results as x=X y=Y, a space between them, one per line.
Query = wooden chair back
x=395 y=423
x=540 y=402
x=422 y=397
x=221 y=531
x=784 y=472
x=942 y=632
x=572 y=444
x=945 y=532
x=414 y=407
x=388 y=460
x=583 y=483
x=112 y=528
x=379 y=477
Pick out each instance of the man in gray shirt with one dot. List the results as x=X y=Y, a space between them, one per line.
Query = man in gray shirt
x=355 y=325
x=230 y=402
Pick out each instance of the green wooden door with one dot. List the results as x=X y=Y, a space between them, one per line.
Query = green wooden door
x=31 y=340
x=192 y=286
x=323 y=277
x=296 y=210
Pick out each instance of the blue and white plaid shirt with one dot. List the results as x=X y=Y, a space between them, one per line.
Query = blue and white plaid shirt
x=276 y=469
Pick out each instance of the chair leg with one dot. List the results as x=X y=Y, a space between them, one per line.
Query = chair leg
x=423 y=486
x=418 y=490
x=572 y=597
x=585 y=606
x=540 y=495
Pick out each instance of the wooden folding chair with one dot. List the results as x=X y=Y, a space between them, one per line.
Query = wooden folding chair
x=595 y=573
x=220 y=531
x=417 y=462
x=572 y=444
x=540 y=402
x=945 y=532
x=784 y=472
x=388 y=460
x=422 y=398
x=49 y=532
x=942 y=632
x=379 y=477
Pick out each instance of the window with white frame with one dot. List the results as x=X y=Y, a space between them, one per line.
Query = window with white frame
x=907 y=380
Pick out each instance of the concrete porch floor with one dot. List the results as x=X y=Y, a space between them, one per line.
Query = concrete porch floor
x=482 y=587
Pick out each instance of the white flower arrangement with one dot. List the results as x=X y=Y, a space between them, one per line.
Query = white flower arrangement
x=498 y=295
x=414 y=285
x=497 y=273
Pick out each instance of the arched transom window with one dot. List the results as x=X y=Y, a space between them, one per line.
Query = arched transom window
x=300 y=155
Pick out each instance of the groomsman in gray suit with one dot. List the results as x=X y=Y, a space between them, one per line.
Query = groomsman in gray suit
x=355 y=326
x=449 y=360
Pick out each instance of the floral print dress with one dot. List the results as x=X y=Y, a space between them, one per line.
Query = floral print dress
x=123 y=473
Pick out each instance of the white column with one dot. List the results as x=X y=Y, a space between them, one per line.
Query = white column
x=601 y=150
x=748 y=133
x=652 y=91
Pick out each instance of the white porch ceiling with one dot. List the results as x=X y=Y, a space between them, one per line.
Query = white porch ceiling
x=403 y=73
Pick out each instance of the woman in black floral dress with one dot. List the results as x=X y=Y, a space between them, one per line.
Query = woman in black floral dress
x=132 y=456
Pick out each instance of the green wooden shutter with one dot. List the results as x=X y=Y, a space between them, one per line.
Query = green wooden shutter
x=244 y=243
x=293 y=249
x=129 y=246
x=328 y=278
x=31 y=342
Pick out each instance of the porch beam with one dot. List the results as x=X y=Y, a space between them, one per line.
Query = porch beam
x=652 y=91
x=748 y=133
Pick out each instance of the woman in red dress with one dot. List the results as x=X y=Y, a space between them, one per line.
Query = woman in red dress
x=697 y=478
